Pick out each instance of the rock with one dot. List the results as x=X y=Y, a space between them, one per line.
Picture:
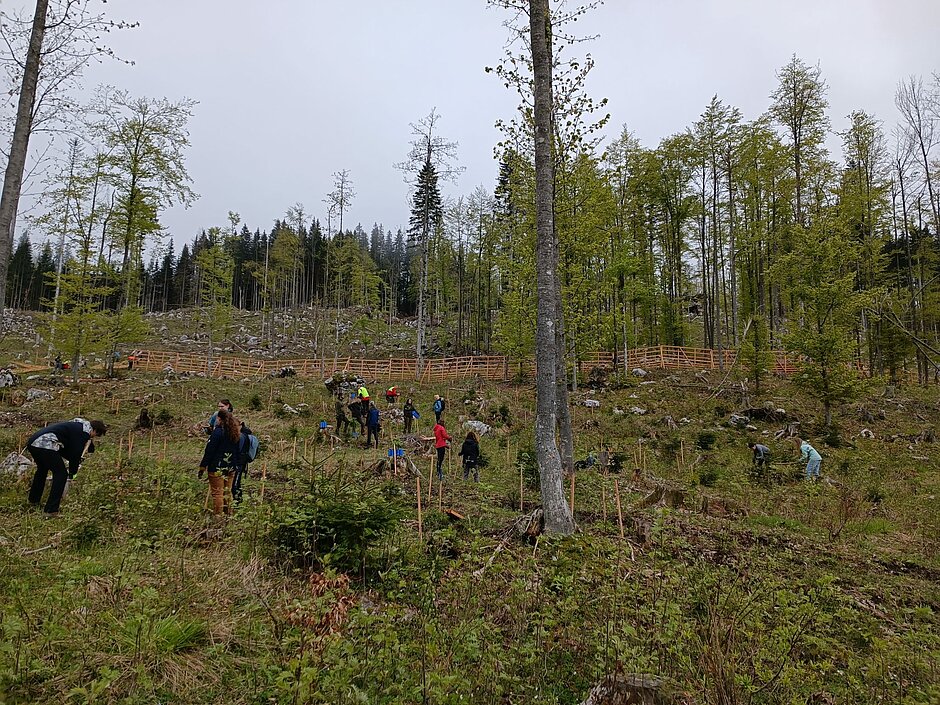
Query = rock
x=38 y=395
x=865 y=433
x=16 y=464
x=738 y=421
x=669 y=422
x=618 y=411
x=638 y=411
x=750 y=427
x=478 y=427
x=639 y=372
x=288 y=409
x=632 y=689
x=684 y=421
x=8 y=378
x=592 y=403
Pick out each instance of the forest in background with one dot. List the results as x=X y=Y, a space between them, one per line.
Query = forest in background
x=750 y=234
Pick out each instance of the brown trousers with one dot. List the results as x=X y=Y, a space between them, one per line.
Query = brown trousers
x=220 y=488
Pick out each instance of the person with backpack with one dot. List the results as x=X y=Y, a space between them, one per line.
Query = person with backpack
x=438 y=407
x=392 y=394
x=247 y=451
x=373 y=426
x=50 y=448
x=221 y=459
x=410 y=414
x=224 y=405
x=441 y=437
x=470 y=452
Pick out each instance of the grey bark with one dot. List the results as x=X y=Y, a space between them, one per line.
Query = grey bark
x=19 y=145
x=558 y=517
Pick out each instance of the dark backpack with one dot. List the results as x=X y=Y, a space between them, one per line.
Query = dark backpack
x=250 y=445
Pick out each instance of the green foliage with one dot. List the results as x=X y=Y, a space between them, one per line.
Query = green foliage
x=818 y=270
x=335 y=524
x=755 y=356
x=705 y=440
x=255 y=403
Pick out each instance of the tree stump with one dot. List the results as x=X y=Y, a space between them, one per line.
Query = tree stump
x=632 y=689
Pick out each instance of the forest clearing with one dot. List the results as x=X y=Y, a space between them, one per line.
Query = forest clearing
x=326 y=585
x=629 y=395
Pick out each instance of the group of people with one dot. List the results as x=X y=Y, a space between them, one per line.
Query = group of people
x=809 y=455
x=364 y=410
x=226 y=454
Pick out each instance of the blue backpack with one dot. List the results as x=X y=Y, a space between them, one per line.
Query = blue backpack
x=250 y=445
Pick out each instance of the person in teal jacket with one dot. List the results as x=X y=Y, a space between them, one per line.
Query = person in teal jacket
x=812 y=458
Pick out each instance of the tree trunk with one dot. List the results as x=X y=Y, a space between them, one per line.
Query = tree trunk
x=19 y=145
x=557 y=513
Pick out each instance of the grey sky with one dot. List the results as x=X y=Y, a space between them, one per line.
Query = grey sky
x=290 y=91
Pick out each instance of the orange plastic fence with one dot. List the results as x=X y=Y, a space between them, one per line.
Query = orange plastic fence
x=491 y=367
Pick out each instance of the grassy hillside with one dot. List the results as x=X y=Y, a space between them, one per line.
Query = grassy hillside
x=738 y=589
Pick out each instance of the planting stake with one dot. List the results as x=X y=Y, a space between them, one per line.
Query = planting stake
x=619 y=510
x=420 y=532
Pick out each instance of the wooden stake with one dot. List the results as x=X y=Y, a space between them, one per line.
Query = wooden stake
x=619 y=509
x=420 y=532
x=395 y=459
x=150 y=445
x=264 y=476
x=430 y=480
x=130 y=444
x=520 y=488
x=572 y=493
x=604 y=498
x=293 y=453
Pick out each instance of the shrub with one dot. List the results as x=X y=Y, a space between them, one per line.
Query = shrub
x=707 y=476
x=254 y=403
x=335 y=525
x=163 y=418
x=526 y=463
x=706 y=440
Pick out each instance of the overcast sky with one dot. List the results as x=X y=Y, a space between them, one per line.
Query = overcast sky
x=291 y=91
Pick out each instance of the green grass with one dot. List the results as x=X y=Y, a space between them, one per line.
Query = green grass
x=783 y=592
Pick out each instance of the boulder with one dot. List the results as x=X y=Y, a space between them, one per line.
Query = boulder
x=38 y=395
x=638 y=411
x=478 y=427
x=639 y=372
x=592 y=403
x=16 y=464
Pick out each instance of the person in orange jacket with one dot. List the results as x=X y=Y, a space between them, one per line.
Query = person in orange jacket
x=441 y=437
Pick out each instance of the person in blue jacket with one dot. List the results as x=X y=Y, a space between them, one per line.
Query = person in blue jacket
x=50 y=448
x=811 y=457
x=221 y=460
x=224 y=405
x=373 y=425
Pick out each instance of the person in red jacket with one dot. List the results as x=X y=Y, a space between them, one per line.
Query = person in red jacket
x=441 y=437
